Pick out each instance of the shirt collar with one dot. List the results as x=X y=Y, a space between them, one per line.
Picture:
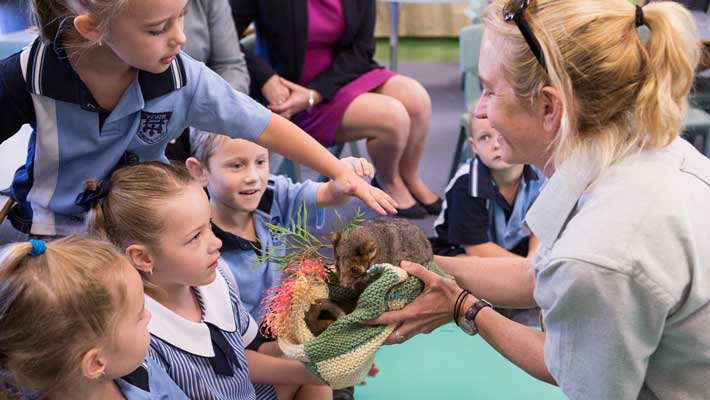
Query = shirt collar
x=194 y=337
x=50 y=74
x=232 y=242
x=552 y=208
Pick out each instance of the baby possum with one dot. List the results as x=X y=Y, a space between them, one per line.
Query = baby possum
x=387 y=240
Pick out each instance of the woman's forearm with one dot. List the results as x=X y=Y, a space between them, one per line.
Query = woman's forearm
x=522 y=345
x=504 y=281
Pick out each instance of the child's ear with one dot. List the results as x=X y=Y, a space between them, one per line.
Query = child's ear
x=88 y=27
x=197 y=170
x=141 y=258
x=93 y=365
x=471 y=142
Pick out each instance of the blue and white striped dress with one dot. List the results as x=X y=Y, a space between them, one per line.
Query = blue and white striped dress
x=184 y=348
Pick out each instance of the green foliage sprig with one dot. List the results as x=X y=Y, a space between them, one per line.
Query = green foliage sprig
x=299 y=243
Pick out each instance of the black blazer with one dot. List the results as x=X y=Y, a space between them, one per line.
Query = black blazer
x=282 y=26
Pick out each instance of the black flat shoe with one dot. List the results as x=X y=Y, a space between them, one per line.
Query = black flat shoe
x=417 y=211
x=433 y=208
x=414 y=212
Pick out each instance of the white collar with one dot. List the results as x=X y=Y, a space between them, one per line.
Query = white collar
x=194 y=337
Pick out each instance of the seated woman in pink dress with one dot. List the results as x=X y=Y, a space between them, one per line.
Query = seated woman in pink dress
x=313 y=64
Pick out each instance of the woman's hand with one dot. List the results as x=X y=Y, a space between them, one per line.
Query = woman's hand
x=275 y=91
x=349 y=183
x=431 y=309
x=296 y=102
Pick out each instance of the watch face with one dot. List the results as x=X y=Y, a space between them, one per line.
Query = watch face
x=467 y=326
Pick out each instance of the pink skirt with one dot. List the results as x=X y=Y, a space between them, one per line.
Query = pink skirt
x=323 y=121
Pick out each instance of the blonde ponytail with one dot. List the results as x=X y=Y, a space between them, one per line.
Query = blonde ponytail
x=618 y=94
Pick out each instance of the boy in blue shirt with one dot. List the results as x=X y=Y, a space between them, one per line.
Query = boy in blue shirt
x=486 y=202
x=244 y=197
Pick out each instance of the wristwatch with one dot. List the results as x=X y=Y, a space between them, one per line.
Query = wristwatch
x=467 y=322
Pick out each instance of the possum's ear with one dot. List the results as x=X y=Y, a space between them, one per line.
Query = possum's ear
x=335 y=238
x=370 y=249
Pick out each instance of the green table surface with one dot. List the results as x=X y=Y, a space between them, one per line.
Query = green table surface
x=448 y=365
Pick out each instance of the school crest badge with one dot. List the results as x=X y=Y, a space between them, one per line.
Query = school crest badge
x=153 y=126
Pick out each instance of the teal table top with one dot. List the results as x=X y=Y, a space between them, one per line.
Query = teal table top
x=449 y=365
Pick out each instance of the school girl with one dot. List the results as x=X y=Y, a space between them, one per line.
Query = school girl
x=106 y=82
x=73 y=325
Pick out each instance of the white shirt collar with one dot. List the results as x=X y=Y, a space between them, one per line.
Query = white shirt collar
x=194 y=337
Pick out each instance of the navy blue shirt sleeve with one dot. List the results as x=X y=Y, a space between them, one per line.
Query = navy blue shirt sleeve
x=16 y=108
x=468 y=217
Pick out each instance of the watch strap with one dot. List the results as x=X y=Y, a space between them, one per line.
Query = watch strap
x=473 y=311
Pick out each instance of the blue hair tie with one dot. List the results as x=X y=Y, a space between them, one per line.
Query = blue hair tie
x=38 y=247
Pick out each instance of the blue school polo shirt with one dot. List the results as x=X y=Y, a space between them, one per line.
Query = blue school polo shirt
x=73 y=139
x=279 y=206
x=149 y=382
x=475 y=212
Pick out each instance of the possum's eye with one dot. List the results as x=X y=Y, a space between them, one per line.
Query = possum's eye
x=355 y=270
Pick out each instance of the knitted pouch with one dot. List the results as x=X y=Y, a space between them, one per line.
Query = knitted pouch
x=343 y=354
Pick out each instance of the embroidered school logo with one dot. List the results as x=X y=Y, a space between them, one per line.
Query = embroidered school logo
x=154 y=126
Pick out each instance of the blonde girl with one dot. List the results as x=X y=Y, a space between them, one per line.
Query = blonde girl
x=73 y=324
x=160 y=217
x=106 y=81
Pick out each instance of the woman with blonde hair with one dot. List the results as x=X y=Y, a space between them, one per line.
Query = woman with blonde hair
x=623 y=270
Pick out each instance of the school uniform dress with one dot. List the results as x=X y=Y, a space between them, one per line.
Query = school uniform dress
x=279 y=206
x=206 y=359
x=73 y=139
x=149 y=382
x=622 y=275
x=475 y=212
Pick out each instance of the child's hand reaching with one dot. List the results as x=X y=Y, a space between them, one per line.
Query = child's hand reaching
x=349 y=182
x=360 y=166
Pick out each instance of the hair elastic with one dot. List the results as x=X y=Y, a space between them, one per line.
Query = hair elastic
x=38 y=247
x=639 y=16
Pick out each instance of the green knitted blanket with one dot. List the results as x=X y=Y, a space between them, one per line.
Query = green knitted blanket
x=343 y=354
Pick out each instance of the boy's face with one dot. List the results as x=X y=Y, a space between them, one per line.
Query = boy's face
x=237 y=174
x=148 y=34
x=484 y=140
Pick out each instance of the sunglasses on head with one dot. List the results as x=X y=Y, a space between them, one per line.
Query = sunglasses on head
x=514 y=12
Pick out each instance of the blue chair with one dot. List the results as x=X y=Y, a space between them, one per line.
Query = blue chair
x=469 y=45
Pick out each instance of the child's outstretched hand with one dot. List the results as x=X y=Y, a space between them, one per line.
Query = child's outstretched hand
x=349 y=183
x=360 y=166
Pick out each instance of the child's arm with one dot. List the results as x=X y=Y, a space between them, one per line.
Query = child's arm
x=285 y=138
x=329 y=194
x=267 y=369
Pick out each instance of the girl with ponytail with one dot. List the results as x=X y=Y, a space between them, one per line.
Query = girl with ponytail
x=73 y=324
x=107 y=79
x=621 y=275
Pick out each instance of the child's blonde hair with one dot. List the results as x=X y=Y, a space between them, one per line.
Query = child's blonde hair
x=56 y=17
x=618 y=94
x=53 y=308
x=203 y=145
x=128 y=213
